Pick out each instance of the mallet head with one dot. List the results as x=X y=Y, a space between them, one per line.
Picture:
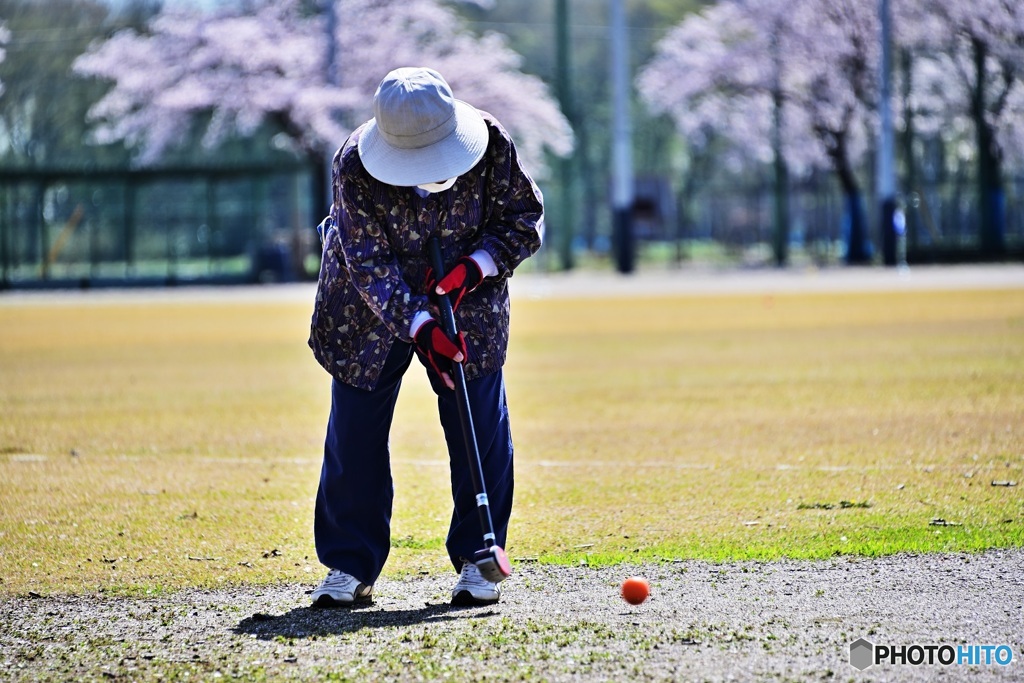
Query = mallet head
x=493 y=564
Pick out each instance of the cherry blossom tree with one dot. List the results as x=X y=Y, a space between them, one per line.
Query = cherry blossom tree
x=232 y=71
x=969 y=73
x=779 y=78
x=376 y=36
x=771 y=76
x=242 y=70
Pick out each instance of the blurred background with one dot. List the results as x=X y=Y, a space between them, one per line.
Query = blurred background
x=147 y=142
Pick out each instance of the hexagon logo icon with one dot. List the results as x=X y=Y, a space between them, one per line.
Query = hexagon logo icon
x=861 y=654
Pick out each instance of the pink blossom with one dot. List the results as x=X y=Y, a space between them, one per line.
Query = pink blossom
x=271 y=64
x=716 y=71
x=944 y=37
x=719 y=69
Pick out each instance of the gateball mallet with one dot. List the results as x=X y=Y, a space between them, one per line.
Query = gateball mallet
x=491 y=560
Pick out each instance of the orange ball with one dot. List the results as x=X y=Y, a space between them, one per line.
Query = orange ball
x=635 y=590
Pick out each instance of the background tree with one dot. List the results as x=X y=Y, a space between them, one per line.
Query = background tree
x=969 y=67
x=42 y=109
x=739 y=69
x=233 y=69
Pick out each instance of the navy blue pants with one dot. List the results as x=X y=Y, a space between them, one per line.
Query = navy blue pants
x=352 y=523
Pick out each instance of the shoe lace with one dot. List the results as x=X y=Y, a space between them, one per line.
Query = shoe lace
x=338 y=579
x=471 y=576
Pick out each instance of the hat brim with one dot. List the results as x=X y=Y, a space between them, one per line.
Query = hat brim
x=449 y=157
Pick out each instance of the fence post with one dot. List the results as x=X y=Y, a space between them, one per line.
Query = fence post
x=622 y=141
x=44 y=241
x=129 y=225
x=4 y=254
x=211 y=222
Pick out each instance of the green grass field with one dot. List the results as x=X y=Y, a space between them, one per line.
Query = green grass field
x=149 y=445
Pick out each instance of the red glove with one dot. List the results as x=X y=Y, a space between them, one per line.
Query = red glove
x=464 y=277
x=438 y=350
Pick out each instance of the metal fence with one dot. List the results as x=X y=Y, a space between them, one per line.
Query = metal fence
x=162 y=227
x=942 y=221
x=81 y=228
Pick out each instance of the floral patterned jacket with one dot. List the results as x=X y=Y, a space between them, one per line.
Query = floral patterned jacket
x=375 y=258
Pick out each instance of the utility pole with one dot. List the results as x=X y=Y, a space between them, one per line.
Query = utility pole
x=333 y=80
x=886 y=173
x=320 y=161
x=780 y=234
x=622 y=142
x=567 y=165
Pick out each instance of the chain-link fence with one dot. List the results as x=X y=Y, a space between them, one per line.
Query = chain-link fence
x=154 y=227
x=80 y=229
x=736 y=225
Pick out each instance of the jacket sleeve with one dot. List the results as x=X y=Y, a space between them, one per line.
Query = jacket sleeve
x=371 y=262
x=514 y=228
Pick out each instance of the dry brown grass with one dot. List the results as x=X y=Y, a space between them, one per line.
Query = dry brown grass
x=156 y=444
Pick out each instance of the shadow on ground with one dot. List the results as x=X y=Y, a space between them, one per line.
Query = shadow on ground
x=307 y=622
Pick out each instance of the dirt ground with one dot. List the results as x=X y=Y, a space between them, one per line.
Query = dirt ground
x=788 y=620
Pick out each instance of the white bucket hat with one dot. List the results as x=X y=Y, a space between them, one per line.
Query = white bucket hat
x=420 y=133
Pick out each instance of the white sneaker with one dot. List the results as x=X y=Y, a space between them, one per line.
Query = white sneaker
x=339 y=589
x=473 y=588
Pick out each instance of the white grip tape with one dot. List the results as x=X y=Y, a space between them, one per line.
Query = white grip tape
x=481 y=500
